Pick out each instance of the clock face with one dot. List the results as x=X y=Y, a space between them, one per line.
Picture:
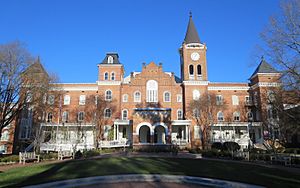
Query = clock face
x=195 y=56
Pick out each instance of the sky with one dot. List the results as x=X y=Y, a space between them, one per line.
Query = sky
x=72 y=36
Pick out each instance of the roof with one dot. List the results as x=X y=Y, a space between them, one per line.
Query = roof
x=191 y=35
x=115 y=58
x=36 y=68
x=264 y=67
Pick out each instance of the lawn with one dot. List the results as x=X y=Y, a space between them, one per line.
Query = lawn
x=247 y=173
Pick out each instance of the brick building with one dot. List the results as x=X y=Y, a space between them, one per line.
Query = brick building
x=152 y=107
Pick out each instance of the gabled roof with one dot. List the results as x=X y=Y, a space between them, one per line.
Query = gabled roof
x=115 y=58
x=35 y=68
x=264 y=67
x=191 y=35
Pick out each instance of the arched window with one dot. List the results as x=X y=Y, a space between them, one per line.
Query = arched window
x=191 y=70
x=137 y=96
x=80 y=116
x=5 y=136
x=112 y=77
x=152 y=93
x=108 y=95
x=124 y=114
x=167 y=96
x=220 y=116
x=106 y=76
x=110 y=60
x=67 y=99
x=107 y=113
x=179 y=114
x=236 y=116
x=250 y=116
x=196 y=94
x=125 y=98
x=49 y=117
x=65 y=117
x=196 y=113
x=199 y=70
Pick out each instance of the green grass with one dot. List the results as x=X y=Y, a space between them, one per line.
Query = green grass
x=247 y=173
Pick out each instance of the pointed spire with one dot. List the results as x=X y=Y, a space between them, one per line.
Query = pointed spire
x=38 y=59
x=264 y=67
x=191 y=35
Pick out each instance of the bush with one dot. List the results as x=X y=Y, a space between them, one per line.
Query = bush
x=90 y=153
x=11 y=158
x=48 y=156
x=78 y=154
x=210 y=153
x=292 y=150
x=217 y=146
x=231 y=146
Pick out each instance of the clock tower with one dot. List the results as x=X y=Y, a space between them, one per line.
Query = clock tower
x=193 y=56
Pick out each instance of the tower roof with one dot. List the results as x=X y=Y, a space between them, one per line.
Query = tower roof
x=114 y=58
x=191 y=35
x=264 y=67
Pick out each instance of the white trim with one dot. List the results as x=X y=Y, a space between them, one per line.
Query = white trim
x=266 y=84
x=124 y=96
x=107 y=76
x=75 y=88
x=163 y=125
x=106 y=95
x=181 y=114
x=195 y=82
x=111 y=76
x=170 y=96
x=108 y=82
x=123 y=114
x=108 y=65
x=274 y=74
x=214 y=88
x=147 y=124
x=134 y=96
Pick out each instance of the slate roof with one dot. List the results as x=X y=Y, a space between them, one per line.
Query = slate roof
x=36 y=67
x=264 y=67
x=191 y=35
x=115 y=58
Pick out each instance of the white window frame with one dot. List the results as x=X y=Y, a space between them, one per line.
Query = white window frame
x=167 y=92
x=108 y=97
x=179 y=116
x=5 y=135
x=51 y=99
x=49 y=120
x=235 y=100
x=219 y=117
x=123 y=114
x=110 y=60
x=152 y=91
x=113 y=76
x=135 y=99
x=67 y=100
x=249 y=118
x=196 y=132
x=65 y=117
x=196 y=94
x=110 y=113
x=125 y=98
x=219 y=99
x=237 y=115
x=82 y=99
x=179 y=98
x=80 y=116
x=106 y=76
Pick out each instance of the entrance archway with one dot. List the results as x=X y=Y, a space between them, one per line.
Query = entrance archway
x=144 y=134
x=159 y=135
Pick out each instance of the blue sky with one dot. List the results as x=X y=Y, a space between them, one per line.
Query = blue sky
x=72 y=37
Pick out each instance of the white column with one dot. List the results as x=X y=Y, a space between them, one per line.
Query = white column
x=115 y=131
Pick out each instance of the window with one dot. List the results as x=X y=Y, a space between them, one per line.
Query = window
x=167 y=96
x=29 y=97
x=96 y=99
x=220 y=116
x=271 y=96
x=107 y=113
x=179 y=114
x=196 y=94
x=191 y=70
x=137 y=96
x=106 y=76
x=248 y=100
x=112 y=77
x=199 y=70
x=219 y=100
x=110 y=60
x=179 y=98
x=236 y=116
x=5 y=136
x=108 y=95
x=125 y=98
x=255 y=98
x=49 y=117
x=67 y=99
x=196 y=113
x=249 y=116
x=65 y=117
x=45 y=98
x=82 y=100
x=80 y=116
x=235 y=100
x=152 y=93
x=124 y=114
x=51 y=99
x=196 y=132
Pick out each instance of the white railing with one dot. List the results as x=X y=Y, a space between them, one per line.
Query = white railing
x=114 y=143
x=179 y=142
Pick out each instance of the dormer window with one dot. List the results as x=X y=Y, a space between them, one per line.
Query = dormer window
x=110 y=60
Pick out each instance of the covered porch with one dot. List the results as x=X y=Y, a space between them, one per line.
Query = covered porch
x=180 y=134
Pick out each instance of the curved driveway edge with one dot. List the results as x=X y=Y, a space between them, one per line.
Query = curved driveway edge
x=144 y=178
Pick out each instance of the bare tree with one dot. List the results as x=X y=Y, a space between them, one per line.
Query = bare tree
x=20 y=87
x=282 y=43
x=204 y=111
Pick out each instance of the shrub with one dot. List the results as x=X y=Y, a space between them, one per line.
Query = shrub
x=231 y=146
x=217 y=145
x=48 y=156
x=78 y=154
x=90 y=153
x=11 y=158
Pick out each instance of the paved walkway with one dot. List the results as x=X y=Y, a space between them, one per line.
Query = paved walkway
x=149 y=180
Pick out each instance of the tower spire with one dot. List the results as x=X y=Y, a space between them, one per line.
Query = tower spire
x=191 y=35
